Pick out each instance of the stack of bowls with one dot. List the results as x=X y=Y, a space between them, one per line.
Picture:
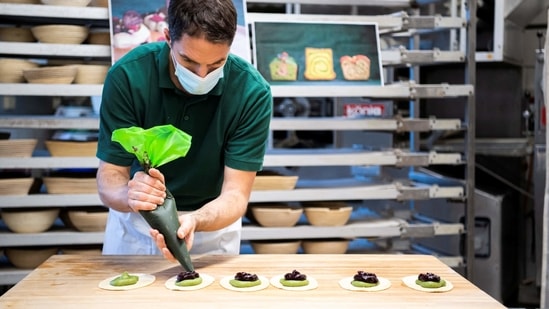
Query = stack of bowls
x=29 y=258
x=63 y=74
x=327 y=213
x=100 y=3
x=60 y=34
x=16 y=34
x=100 y=37
x=67 y=2
x=280 y=246
x=91 y=73
x=29 y=220
x=325 y=246
x=21 y=1
x=17 y=147
x=88 y=219
x=276 y=215
x=16 y=186
x=274 y=182
x=12 y=69
x=71 y=148
x=70 y=185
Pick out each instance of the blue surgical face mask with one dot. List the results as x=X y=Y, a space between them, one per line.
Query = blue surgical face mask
x=195 y=84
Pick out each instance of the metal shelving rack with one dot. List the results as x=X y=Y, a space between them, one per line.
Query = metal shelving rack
x=392 y=227
x=461 y=49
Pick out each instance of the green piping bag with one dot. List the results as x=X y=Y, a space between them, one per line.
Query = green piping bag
x=154 y=147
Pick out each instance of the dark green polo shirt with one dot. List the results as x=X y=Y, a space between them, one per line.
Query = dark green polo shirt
x=229 y=126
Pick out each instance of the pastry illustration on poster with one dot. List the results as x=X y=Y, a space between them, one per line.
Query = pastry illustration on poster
x=136 y=22
x=317 y=53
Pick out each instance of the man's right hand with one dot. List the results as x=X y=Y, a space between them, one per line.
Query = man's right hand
x=146 y=191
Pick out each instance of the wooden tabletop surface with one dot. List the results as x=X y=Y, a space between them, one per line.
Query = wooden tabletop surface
x=71 y=281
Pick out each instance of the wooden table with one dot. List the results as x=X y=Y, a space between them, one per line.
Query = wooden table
x=71 y=281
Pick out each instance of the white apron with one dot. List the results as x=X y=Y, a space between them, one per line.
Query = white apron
x=127 y=233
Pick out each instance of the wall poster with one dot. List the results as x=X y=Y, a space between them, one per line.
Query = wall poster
x=317 y=53
x=136 y=22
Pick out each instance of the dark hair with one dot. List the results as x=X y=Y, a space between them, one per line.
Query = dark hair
x=215 y=20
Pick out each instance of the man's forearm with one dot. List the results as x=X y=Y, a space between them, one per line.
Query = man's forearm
x=115 y=199
x=220 y=212
x=113 y=189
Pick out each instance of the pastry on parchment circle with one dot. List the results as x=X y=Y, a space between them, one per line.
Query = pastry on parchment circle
x=244 y=282
x=127 y=281
x=189 y=281
x=283 y=67
x=294 y=281
x=365 y=282
x=427 y=282
x=319 y=64
x=355 y=67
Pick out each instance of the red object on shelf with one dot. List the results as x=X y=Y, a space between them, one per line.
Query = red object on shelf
x=543 y=117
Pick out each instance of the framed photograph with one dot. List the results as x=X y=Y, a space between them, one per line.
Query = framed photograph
x=137 y=22
x=317 y=53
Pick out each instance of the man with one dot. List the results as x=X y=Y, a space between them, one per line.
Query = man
x=192 y=82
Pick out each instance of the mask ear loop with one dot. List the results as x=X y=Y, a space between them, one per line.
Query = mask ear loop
x=174 y=62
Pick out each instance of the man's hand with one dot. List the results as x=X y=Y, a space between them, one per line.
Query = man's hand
x=161 y=244
x=185 y=231
x=146 y=191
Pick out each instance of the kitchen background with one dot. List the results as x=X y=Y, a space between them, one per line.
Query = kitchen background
x=509 y=143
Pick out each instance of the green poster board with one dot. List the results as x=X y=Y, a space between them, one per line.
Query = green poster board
x=317 y=53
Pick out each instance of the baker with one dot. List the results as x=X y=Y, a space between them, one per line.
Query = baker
x=193 y=82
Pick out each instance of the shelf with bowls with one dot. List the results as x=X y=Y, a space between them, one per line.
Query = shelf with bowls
x=294 y=123
x=374 y=228
x=56 y=12
x=50 y=35
x=52 y=237
x=331 y=157
x=55 y=50
x=339 y=189
x=394 y=28
x=402 y=91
